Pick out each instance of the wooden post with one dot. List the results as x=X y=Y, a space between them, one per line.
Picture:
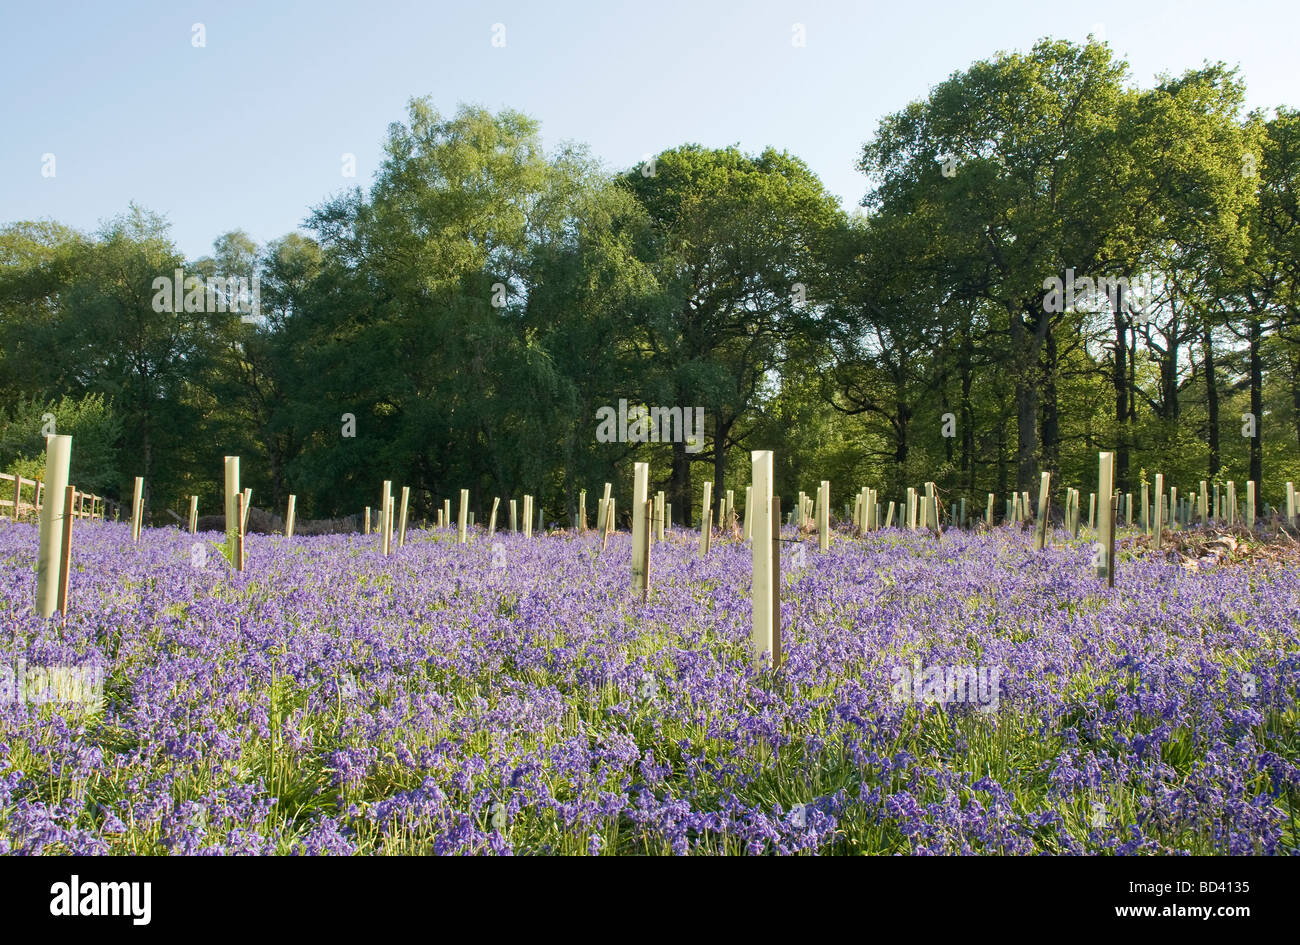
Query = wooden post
x=65 y=548
x=1250 y=505
x=824 y=516
x=462 y=518
x=137 y=508
x=239 y=536
x=600 y=510
x=608 y=505
x=706 y=523
x=1105 y=557
x=766 y=532
x=18 y=493
x=290 y=513
x=640 y=494
x=194 y=514
x=367 y=520
x=49 y=557
x=648 y=513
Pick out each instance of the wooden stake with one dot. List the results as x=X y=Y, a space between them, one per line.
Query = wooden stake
x=648 y=528
x=137 y=508
x=65 y=548
x=239 y=538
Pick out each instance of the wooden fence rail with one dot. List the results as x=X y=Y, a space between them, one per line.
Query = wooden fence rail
x=13 y=504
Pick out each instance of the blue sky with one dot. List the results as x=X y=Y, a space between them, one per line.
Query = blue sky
x=248 y=131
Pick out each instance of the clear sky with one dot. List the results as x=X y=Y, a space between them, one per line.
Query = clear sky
x=248 y=130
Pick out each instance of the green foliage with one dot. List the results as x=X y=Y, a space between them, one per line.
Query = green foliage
x=477 y=305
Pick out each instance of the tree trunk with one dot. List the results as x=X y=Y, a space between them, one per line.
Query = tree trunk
x=1257 y=413
x=1119 y=378
x=679 y=486
x=1051 y=436
x=1211 y=400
